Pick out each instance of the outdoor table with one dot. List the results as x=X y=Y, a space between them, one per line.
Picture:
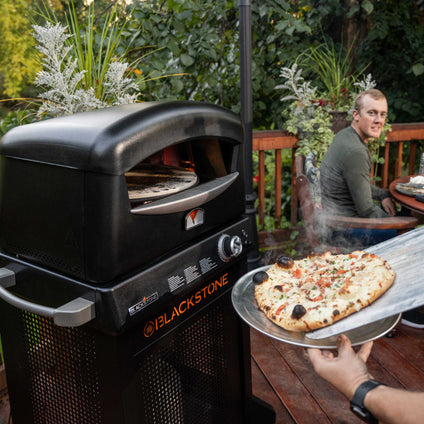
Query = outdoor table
x=404 y=200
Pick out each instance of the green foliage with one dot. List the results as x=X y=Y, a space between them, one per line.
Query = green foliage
x=17 y=58
x=200 y=39
x=331 y=71
x=192 y=38
x=313 y=127
x=16 y=118
x=394 y=46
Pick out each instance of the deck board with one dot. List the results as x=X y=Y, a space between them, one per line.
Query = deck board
x=4 y=407
x=260 y=385
x=292 y=393
x=396 y=361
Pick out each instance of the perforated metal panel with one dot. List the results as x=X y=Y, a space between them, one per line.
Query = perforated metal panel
x=187 y=375
x=65 y=381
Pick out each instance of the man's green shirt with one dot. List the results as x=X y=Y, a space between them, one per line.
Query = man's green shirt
x=345 y=178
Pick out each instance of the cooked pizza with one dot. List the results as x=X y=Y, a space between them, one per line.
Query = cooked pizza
x=410 y=189
x=311 y=293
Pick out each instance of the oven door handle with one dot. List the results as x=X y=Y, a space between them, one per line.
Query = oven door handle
x=73 y=314
x=187 y=199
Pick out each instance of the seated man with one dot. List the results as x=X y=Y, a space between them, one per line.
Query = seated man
x=345 y=170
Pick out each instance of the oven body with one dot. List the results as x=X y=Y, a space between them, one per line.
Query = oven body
x=114 y=311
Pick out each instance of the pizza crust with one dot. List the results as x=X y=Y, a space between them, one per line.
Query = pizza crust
x=316 y=291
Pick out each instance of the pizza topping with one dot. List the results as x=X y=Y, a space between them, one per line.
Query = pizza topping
x=298 y=312
x=260 y=277
x=285 y=262
x=297 y=273
x=280 y=308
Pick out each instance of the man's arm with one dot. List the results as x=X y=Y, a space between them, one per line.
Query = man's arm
x=395 y=406
x=348 y=370
x=357 y=176
x=389 y=206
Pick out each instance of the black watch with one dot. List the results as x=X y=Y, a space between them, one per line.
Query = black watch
x=357 y=402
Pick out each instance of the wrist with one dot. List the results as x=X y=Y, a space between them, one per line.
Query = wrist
x=354 y=387
x=370 y=398
x=357 y=403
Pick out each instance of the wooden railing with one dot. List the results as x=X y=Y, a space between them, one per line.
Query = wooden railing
x=277 y=140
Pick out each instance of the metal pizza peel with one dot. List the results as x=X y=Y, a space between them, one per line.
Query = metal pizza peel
x=405 y=254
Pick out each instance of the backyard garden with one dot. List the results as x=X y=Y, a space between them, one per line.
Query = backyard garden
x=310 y=59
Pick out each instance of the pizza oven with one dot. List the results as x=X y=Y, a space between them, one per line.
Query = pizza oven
x=122 y=232
x=101 y=194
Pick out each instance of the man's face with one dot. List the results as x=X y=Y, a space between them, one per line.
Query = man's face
x=369 y=121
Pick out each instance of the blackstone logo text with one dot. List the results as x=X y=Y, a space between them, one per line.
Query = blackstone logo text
x=185 y=305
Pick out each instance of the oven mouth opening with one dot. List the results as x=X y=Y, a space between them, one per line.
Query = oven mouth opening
x=148 y=182
x=177 y=168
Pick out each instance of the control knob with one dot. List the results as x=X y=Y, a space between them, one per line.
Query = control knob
x=229 y=247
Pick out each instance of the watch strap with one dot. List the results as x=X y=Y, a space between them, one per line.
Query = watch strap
x=357 y=402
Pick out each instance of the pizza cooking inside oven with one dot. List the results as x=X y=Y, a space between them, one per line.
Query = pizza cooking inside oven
x=310 y=293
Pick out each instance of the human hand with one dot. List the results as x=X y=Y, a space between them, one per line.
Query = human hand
x=388 y=206
x=345 y=371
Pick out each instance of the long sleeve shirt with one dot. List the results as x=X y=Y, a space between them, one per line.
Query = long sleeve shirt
x=345 y=178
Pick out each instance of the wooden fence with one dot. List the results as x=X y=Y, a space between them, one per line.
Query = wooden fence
x=277 y=140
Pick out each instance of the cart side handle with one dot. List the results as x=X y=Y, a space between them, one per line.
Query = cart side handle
x=72 y=314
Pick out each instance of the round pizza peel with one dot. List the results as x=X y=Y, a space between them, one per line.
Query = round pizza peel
x=244 y=302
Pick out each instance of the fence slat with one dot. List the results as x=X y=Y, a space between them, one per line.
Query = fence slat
x=277 y=199
x=261 y=186
x=412 y=155
x=398 y=163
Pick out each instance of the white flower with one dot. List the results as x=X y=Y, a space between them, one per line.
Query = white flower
x=61 y=78
x=117 y=86
x=366 y=84
x=294 y=82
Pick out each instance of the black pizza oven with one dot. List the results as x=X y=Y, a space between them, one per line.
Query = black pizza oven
x=65 y=202
x=122 y=232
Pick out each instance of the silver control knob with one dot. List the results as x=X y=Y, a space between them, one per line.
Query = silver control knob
x=229 y=247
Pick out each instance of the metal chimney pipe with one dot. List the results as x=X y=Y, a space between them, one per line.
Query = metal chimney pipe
x=245 y=24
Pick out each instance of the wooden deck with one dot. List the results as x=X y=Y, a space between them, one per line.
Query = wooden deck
x=283 y=376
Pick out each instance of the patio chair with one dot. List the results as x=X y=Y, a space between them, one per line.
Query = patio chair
x=319 y=226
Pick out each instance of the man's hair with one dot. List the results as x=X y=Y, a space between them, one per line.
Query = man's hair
x=373 y=92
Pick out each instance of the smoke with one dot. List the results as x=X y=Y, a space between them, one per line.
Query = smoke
x=349 y=239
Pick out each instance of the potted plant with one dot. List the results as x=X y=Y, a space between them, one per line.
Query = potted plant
x=310 y=114
x=316 y=113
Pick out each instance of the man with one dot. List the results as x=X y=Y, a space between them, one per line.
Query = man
x=345 y=180
x=348 y=371
x=345 y=170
